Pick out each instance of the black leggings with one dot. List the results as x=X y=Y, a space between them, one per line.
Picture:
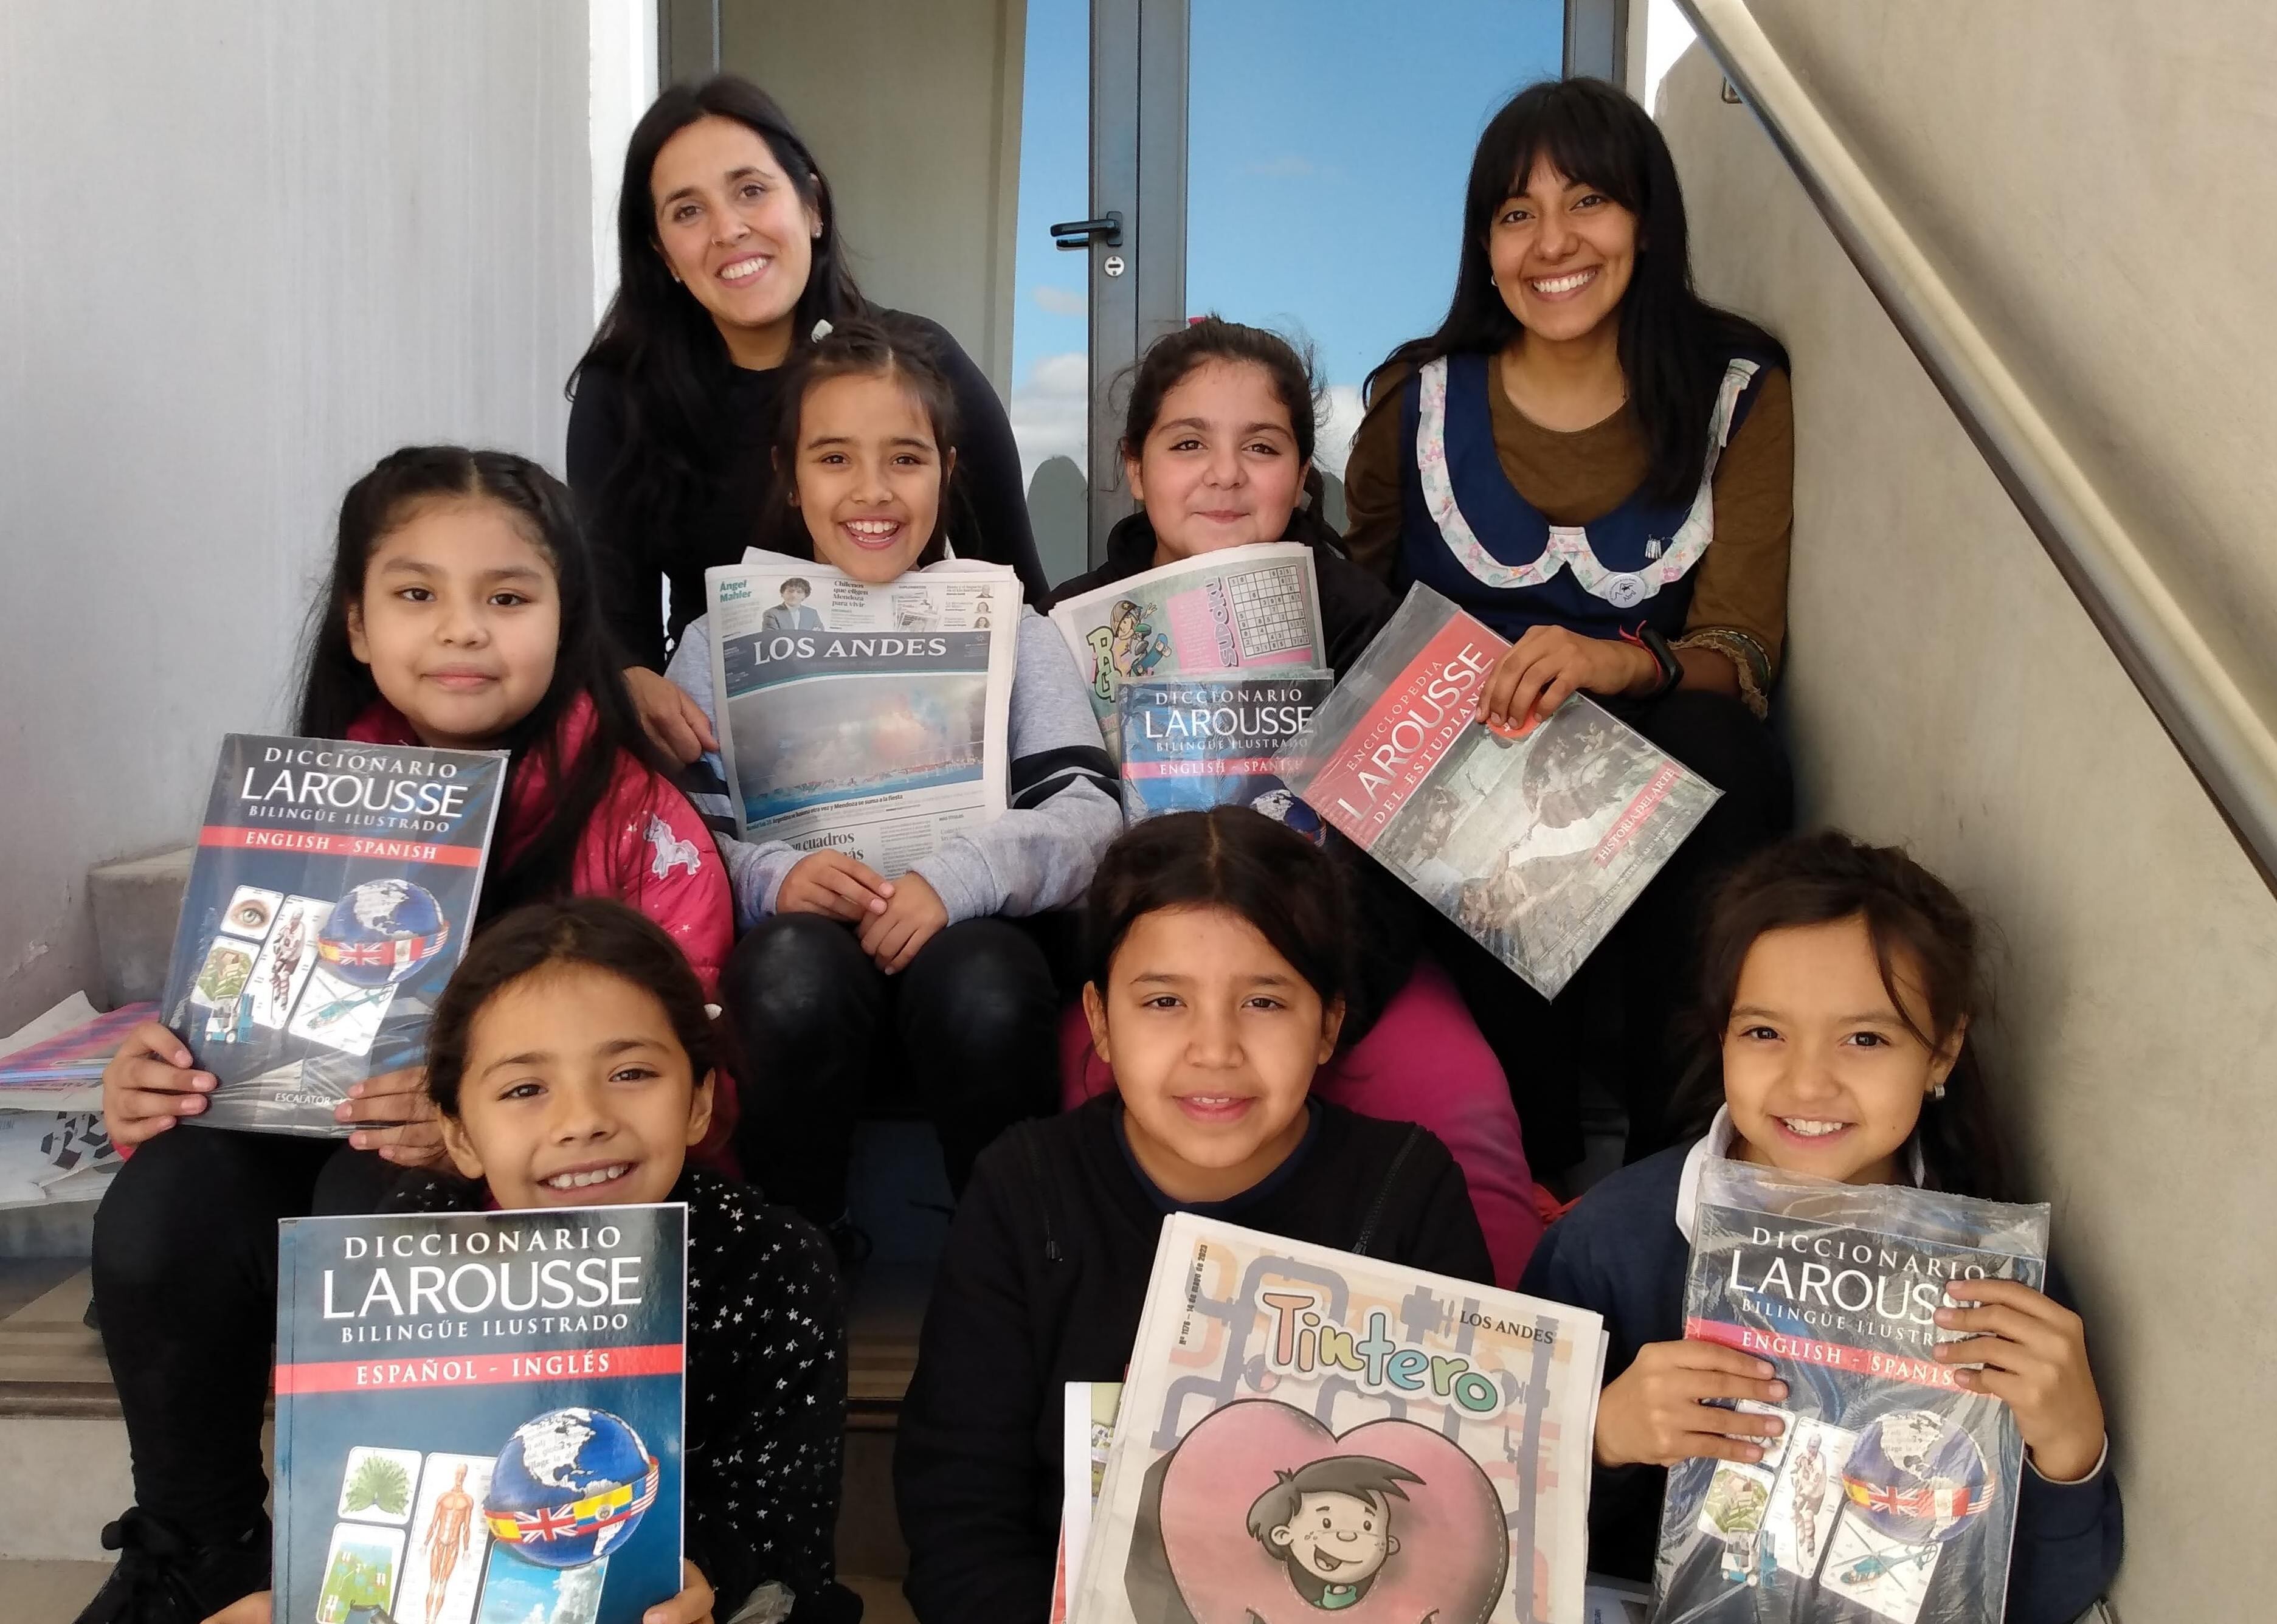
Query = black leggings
x=186 y=1295
x=972 y=1020
x=1618 y=1018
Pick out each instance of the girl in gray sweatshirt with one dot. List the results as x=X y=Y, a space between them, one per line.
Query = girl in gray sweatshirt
x=934 y=986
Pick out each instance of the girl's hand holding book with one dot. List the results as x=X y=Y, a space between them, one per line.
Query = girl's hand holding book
x=835 y=886
x=692 y=1605
x=147 y=1084
x=393 y=1116
x=2033 y=1351
x=908 y=921
x=1540 y=671
x=1657 y=1413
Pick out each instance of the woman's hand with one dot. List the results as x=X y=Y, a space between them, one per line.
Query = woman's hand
x=833 y=885
x=1655 y=1412
x=148 y=1084
x=692 y=1605
x=410 y=1129
x=254 y=1609
x=676 y=721
x=910 y=919
x=1537 y=672
x=2033 y=1351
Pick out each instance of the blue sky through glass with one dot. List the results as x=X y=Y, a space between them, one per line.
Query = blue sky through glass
x=1326 y=146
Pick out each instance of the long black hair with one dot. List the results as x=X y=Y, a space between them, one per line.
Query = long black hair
x=884 y=347
x=1919 y=929
x=659 y=343
x=337 y=688
x=1174 y=357
x=1673 y=343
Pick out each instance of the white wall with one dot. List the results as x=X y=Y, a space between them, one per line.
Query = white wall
x=2096 y=176
x=245 y=250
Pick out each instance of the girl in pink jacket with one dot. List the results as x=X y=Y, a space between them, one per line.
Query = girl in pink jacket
x=460 y=615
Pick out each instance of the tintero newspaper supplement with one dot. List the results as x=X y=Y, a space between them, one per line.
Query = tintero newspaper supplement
x=1305 y=1431
x=867 y=719
x=1216 y=612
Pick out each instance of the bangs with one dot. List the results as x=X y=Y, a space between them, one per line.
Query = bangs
x=1575 y=135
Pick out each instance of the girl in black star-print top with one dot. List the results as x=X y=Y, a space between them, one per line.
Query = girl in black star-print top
x=572 y=1058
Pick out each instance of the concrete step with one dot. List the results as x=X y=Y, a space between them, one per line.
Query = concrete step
x=136 y=905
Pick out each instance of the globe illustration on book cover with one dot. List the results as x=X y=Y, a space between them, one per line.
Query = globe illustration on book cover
x=1918 y=1476
x=570 y=1485
x=381 y=932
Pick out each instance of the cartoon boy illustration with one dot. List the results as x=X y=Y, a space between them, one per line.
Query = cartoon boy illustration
x=1138 y=648
x=792 y=614
x=1331 y=1522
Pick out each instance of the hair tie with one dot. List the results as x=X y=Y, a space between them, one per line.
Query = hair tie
x=822 y=330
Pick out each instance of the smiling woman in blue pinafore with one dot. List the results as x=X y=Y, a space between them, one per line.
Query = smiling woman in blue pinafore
x=1597 y=464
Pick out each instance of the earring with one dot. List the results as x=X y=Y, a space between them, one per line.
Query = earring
x=1937 y=1093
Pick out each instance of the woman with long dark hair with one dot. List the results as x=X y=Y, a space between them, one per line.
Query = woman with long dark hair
x=1598 y=464
x=728 y=256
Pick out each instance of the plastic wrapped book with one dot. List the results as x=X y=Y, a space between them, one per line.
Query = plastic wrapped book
x=1890 y=1496
x=1534 y=840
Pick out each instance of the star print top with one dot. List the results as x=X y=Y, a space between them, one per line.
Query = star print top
x=765 y=1386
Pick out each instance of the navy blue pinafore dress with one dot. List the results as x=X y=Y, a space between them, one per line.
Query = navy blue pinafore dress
x=1468 y=535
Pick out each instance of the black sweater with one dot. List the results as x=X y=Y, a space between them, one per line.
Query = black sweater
x=632 y=556
x=765 y=1389
x=1620 y=1253
x=1042 y=1284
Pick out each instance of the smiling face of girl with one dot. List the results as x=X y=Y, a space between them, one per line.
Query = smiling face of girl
x=1218 y=467
x=870 y=475
x=576 y=1093
x=1824 y=1072
x=1562 y=253
x=460 y=620
x=735 y=234
x=1212 y=1037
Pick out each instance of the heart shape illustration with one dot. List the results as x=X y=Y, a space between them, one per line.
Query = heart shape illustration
x=1231 y=1554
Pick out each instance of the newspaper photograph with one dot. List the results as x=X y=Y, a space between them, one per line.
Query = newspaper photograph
x=870 y=720
x=1216 y=612
x=1534 y=840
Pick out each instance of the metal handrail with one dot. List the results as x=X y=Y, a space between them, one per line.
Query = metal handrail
x=2199 y=701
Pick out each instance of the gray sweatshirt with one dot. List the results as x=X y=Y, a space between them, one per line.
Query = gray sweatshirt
x=1062 y=808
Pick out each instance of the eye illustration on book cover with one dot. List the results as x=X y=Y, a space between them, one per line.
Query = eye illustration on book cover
x=478 y=1417
x=1890 y=1494
x=331 y=895
x=1306 y=1433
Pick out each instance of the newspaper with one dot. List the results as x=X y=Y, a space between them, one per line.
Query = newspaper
x=1534 y=840
x=1216 y=612
x=1443 y=1427
x=869 y=720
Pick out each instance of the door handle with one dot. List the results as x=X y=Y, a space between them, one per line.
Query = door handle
x=1082 y=233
